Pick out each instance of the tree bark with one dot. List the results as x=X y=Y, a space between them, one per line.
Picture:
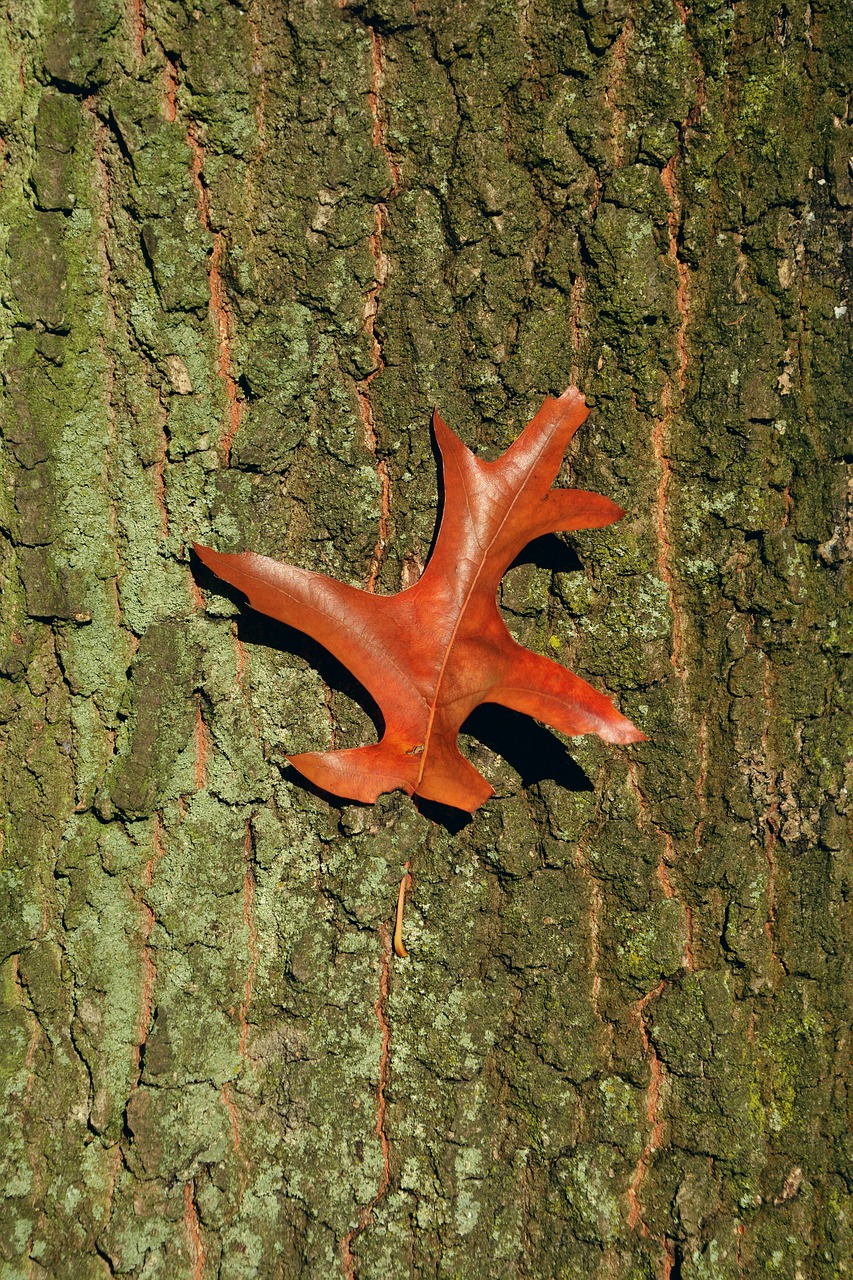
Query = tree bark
x=246 y=252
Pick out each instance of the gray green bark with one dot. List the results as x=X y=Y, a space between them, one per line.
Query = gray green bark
x=244 y=254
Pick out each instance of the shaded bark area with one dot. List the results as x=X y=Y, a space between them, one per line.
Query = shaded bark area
x=245 y=252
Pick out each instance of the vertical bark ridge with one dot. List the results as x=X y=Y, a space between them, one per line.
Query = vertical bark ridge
x=618 y=1036
x=381 y=269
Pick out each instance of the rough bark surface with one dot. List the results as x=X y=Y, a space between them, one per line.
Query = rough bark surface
x=244 y=254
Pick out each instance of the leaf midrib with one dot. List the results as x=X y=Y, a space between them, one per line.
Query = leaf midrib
x=468 y=595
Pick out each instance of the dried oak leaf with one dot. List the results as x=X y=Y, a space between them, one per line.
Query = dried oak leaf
x=432 y=653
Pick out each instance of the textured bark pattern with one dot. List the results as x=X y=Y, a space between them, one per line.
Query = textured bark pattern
x=244 y=254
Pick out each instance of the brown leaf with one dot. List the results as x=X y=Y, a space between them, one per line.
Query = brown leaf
x=432 y=653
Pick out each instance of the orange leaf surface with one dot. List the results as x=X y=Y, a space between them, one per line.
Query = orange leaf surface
x=432 y=653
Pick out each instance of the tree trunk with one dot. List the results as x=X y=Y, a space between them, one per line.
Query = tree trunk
x=248 y=251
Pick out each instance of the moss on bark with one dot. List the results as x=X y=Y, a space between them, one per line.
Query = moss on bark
x=244 y=253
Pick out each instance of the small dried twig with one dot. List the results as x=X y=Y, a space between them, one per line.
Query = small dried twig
x=399 y=948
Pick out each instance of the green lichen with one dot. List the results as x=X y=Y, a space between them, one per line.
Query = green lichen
x=614 y=1038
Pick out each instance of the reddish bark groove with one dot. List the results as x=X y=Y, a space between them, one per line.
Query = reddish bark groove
x=258 y=70
x=366 y=1216
x=193 y=1230
x=668 y=1260
x=663 y=427
x=371 y=307
x=673 y=217
x=664 y=544
x=653 y=1098
x=377 y=78
x=170 y=89
x=195 y=593
x=136 y=20
x=667 y=860
x=613 y=83
x=234 y=1120
x=220 y=308
x=384 y=513
x=99 y=130
x=596 y=913
x=201 y=740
